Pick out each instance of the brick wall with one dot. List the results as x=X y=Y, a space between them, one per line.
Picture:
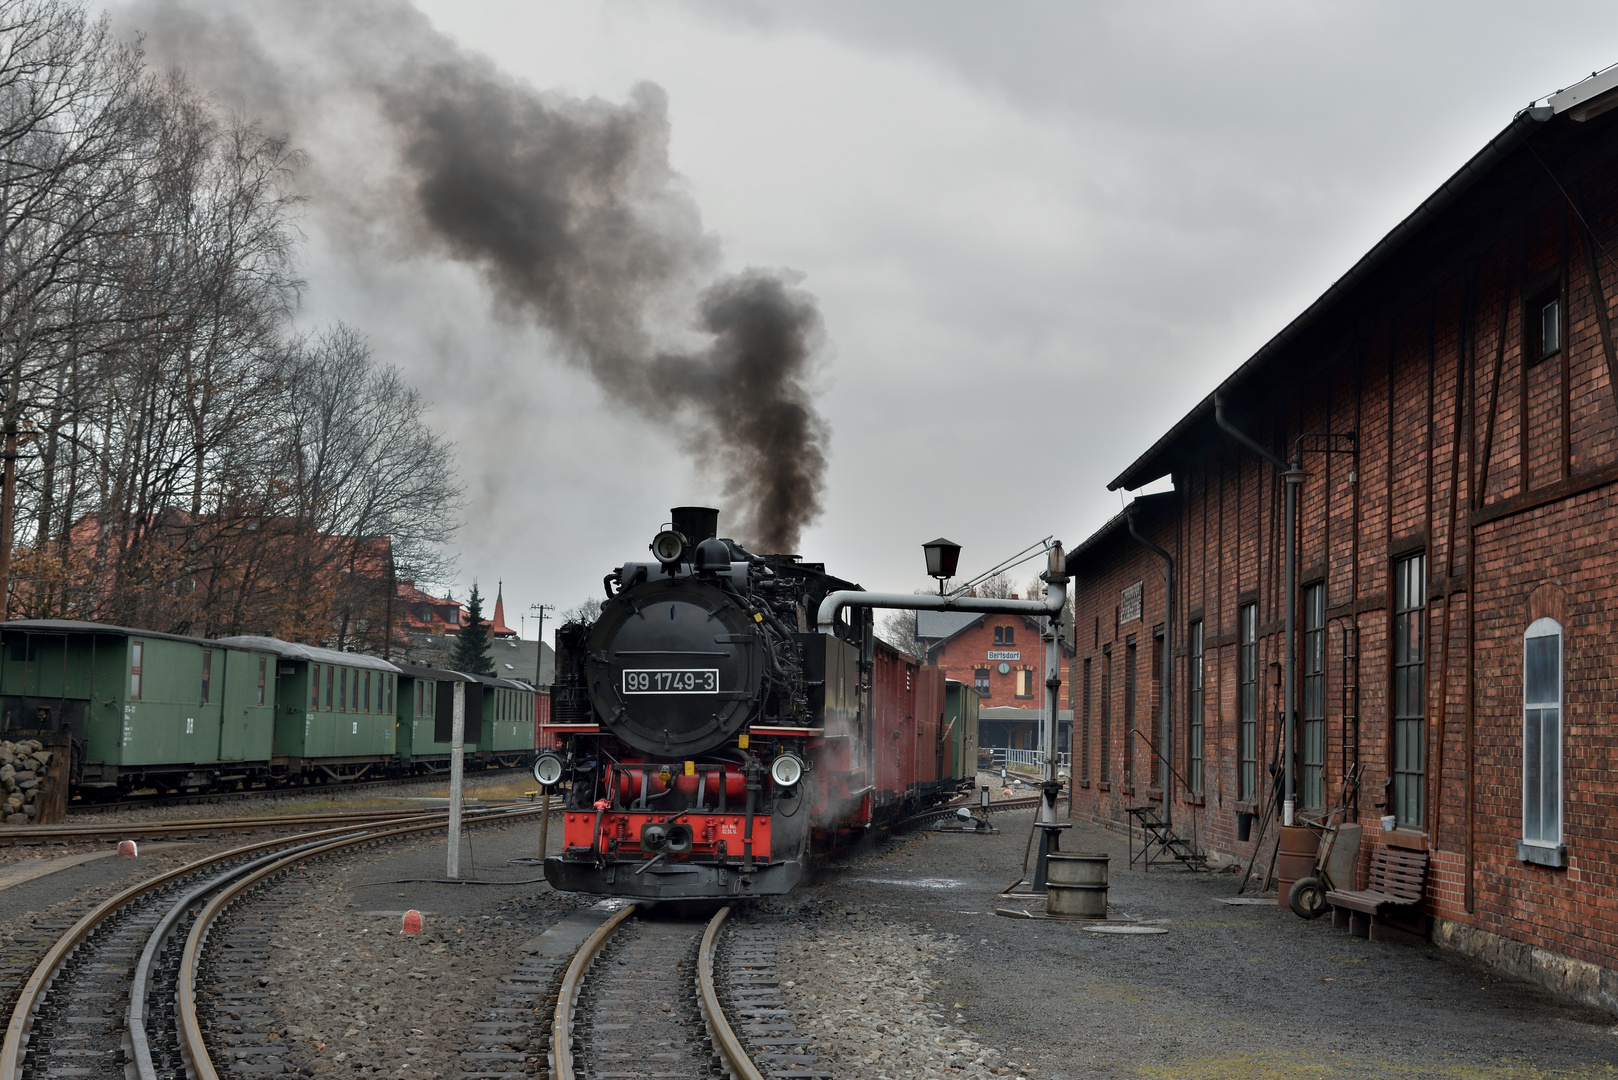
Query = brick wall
x=968 y=652
x=1428 y=426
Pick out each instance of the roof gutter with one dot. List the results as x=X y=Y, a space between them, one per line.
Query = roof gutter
x=1144 y=470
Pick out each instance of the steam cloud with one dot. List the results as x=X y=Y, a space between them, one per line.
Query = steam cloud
x=571 y=211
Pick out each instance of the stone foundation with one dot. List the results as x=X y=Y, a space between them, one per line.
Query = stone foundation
x=1577 y=980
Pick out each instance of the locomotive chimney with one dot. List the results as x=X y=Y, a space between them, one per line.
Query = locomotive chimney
x=695 y=523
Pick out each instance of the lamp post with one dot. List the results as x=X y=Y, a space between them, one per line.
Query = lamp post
x=943 y=556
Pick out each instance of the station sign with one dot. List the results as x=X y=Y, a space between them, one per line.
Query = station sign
x=1005 y=654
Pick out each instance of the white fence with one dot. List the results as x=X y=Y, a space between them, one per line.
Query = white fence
x=1032 y=759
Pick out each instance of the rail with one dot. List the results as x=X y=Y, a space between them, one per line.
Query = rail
x=567 y=998
x=50 y=965
x=192 y=1048
x=732 y=1054
x=730 y=1048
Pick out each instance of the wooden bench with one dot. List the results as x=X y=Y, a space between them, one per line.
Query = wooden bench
x=1390 y=907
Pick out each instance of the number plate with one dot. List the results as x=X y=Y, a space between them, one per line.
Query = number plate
x=671 y=680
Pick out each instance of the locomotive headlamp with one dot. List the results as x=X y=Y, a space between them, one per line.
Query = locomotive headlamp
x=547 y=769
x=943 y=556
x=668 y=546
x=786 y=770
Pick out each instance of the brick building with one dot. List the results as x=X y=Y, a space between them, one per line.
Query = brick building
x=1452 y=401
x=1003 y=657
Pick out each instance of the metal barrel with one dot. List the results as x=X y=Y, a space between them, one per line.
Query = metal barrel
x=1076 y=884
x=1297 y=858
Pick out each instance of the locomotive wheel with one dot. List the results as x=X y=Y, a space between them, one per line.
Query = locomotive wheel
x=1307 y=898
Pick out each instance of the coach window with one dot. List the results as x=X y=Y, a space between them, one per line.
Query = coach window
x=1314 y=695
x=137 y=650
x=314 y=686
x=390 y=694
x=342 y=690
x=331 y=677
x=365 y=702
x=1409 y=689
x=263 y=675
x=1247 y=683
x=1193 y=742
x=207 y=670
x=1542 y=745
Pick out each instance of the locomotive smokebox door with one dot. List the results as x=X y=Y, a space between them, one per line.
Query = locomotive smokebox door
x=674 y=667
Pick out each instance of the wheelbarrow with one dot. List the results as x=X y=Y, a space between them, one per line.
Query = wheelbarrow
x=1335 y=861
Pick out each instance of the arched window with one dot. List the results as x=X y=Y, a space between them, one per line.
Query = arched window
x=1542 y=744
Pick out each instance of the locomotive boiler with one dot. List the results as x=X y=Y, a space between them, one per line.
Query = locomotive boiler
x=705 y=735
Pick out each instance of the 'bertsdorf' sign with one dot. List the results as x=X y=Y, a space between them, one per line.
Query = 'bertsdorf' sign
x=1005 y=654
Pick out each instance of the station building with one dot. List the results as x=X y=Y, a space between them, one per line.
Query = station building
x=1453 y=407
x=1003 y=658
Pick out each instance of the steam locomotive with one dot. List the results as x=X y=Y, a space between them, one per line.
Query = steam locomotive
x=709 y=741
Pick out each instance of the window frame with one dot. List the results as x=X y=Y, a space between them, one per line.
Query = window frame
x=1106 y=715
x=1408 y=716
x=1247 y=702
x=1024 y=680
x=1084 y=746
x=980 y=680
x=263 y=676
x=314 y=681
x=207 y=673
x=1534 y=350
x=1195 y=674
x=137 y=660
x=1312 y=716
x=1540 y=849
x=1131 y=703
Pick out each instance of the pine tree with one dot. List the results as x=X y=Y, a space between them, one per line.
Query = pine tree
x=472 y=648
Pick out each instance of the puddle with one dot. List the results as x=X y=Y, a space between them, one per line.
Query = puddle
x=915 y=883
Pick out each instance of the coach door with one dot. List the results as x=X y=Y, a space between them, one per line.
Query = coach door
x=248 y=698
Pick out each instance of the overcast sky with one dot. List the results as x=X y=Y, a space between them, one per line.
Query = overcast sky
x=1039 y=233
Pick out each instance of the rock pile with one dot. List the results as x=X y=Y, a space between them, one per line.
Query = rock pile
x=22 y=779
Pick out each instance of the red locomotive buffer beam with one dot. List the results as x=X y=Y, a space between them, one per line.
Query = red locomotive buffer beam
x=717 y=861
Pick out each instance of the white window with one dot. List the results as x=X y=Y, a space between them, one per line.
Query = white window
x=1542 y=744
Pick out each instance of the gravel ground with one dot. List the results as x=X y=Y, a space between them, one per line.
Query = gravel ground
x=907 y=972
x=357 y=998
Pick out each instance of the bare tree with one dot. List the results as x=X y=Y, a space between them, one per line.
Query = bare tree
x=70 y=113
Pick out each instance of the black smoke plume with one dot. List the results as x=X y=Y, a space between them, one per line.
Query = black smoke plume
x=573 y=214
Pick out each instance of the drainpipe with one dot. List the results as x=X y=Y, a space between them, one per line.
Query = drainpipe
x=1292 y=474
x=1164 y=773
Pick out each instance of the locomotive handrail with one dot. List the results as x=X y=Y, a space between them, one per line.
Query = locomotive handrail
x=833 y=605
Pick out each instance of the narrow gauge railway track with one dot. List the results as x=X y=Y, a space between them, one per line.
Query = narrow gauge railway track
x=151 y=830
x=301 y=791
x=101 y=994
x=640 y=999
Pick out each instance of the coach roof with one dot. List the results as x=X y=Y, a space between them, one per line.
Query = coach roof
x=1562 y=114
x=314 y=653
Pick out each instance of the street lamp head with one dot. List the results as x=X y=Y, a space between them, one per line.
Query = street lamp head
x=943 y=556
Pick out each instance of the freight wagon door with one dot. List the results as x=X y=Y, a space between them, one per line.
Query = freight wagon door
x=247 y=698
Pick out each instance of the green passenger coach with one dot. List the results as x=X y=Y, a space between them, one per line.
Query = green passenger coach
x=142 y=708
x=334 y=714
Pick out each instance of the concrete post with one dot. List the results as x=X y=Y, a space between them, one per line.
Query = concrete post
x=457 y=763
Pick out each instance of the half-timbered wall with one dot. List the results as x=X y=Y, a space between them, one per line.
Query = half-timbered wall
x=1435 y=430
